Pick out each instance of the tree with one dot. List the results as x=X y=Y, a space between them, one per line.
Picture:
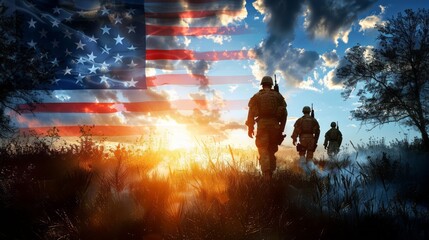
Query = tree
x=391 y=80
x=23 y=68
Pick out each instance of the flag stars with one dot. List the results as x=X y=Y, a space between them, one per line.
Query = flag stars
x=55 y=81
x=132 y=64
x=57 y=10
x=32 y=24
x=67 y=52
x=55 y=43
x=105 y=29
x=118 y=40
x=81 y=60
x=131 y=83
x=91 y=57
x=67 y=71
x=80 y=45
x=32 y=44
x=81 y=13
x=131 y=48
x=55 y=23
x=68 y=19
x=54 y=62
x=131 y=11
x=93 y=39
x=43 y=33
x=118 y=58
x=105 y=11
x=67 y=34
x=118 y=19
x=79 y=78
x=131 y=29
x=44 y=55
x=104 y=67
x=93 y=69
x=103 y=79
x=105 y=49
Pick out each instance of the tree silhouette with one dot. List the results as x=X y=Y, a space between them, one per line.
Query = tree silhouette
x=23 y=68
x=392 y=79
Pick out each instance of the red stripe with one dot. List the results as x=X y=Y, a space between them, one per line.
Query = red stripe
x=73 y=131
x=157 y=30
x=150 y=106
x=191 y=14
x=188 y=79
x=183 y=54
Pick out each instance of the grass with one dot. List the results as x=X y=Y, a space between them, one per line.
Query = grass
x=51 y=189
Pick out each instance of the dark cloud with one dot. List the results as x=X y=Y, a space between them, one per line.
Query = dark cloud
x=275 y=55
x=323 y=18
x=281 y=16
x=328 y=17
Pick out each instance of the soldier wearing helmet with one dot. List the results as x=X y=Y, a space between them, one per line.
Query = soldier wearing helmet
x=333 y=139
x=267 y=108
x=307 y=129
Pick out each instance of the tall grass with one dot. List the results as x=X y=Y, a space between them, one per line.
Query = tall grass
x=52 y=189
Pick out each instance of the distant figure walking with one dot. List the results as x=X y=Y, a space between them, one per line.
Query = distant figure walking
x=333 y=139
x=307 y=129
x=268 y=109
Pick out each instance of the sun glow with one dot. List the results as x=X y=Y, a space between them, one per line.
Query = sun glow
x=174 y=135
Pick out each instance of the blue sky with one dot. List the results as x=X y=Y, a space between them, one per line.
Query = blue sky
x=303 y=55
x=299 y=41
x=326 y=98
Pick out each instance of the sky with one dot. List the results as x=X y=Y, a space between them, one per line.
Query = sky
x=300 y=42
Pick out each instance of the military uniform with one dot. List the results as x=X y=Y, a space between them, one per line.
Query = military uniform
x=268 y=109
x=333 y=139
x=307 y=129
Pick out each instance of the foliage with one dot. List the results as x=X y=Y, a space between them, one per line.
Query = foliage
x=394 y=74
x=23 y=68
x=50 y=189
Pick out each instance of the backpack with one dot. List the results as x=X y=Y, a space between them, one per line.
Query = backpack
x=267 y=103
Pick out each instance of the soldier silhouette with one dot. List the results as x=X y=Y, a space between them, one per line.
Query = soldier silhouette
x=333 y=139
x=268 y=109
x=307 y=129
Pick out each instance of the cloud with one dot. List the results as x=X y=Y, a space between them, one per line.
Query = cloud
x=274 y=55
x=309 y=85
x=333 y=19
x=370 y=22
x=331 y=81
x=330 y=59
x=322 y=18
x=280 y=16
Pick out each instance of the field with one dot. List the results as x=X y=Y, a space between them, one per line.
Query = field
x=91 y=189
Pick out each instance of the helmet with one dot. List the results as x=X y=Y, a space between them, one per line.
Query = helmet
x=306 y=109
x=333 y=124
x=267 y=80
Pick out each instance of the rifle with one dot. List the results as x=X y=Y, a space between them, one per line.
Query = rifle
x=338 y=127
x=312 y=111
x=276 y=85
x=281 y=136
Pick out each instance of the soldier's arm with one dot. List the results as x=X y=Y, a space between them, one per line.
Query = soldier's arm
x=316 y=130
x=283 y=118
x=340 y=137
x=251 y=115
x=326 y=139
x=296 y=130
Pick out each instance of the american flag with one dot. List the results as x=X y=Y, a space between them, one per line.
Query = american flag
x=116 y=61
